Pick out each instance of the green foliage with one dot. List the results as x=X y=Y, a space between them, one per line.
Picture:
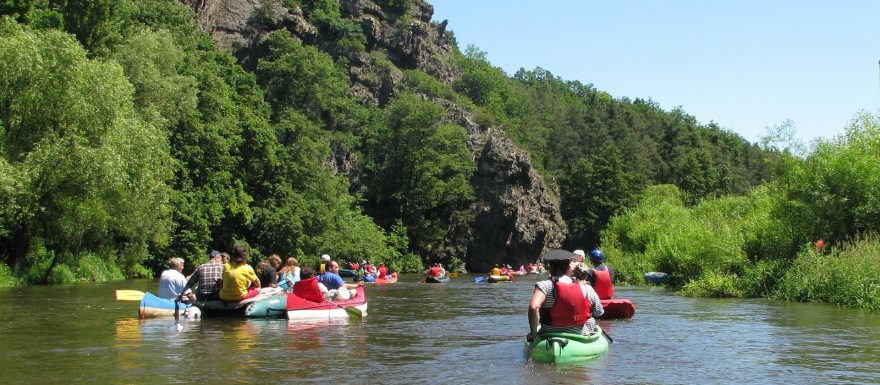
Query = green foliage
x=701 y=247
x=835 y=193
x=91 y=172
x=426 y=84
x=17 y=8
x=337 y=34
x=848 y=275
x=422 y=170
x=93 y=22
x=593 y=192
x=712 y=284
x=151 y=61
x=489 y=88
x=395 y=6
x=7 y=277
x=408 y=263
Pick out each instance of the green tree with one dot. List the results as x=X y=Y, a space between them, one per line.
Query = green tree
x=82 y=171
x=593 y=193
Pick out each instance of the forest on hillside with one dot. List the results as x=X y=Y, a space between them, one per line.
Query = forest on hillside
x=129 y=137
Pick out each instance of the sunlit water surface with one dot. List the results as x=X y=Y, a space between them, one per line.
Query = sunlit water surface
x=457 y=333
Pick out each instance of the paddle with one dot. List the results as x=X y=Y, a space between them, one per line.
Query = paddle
x=129 y=295
x=479 y=279
x=351 y=310
x=611 y=340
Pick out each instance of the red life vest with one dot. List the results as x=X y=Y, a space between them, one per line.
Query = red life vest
x=308 y=289
x=571 y=308
x=603 y=286
x=435 y=272
x=383 y=272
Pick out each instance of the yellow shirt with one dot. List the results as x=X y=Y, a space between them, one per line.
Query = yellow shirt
x=236 y=281
x=496 y=271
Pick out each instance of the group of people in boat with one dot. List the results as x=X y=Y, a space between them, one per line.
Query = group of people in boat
x=570 y=299
x=368 y=271
x=436 y=271
x=231 y=278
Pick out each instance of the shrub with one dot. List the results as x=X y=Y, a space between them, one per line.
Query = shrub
x=848 y=276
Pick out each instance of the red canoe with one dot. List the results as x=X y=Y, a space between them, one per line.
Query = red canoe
x=616 y=308
x=391 y=278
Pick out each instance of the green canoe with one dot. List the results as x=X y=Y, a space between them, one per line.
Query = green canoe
x=562 y=348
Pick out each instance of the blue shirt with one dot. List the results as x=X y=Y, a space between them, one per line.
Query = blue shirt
x=332 y=280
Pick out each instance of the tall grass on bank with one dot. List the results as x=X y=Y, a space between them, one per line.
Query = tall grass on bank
x=847 y=276
x=723 y=247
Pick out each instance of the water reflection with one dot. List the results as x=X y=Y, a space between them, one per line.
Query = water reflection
x=460 y=332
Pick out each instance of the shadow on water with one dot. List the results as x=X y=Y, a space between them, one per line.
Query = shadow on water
x=458 y=332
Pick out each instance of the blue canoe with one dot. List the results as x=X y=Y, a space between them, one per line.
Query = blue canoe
x=155 y=307
x=656 y=277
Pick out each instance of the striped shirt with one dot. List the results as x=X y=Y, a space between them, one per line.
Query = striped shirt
x=549 y=289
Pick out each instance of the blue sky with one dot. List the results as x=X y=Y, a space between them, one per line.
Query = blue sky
x=744 y=64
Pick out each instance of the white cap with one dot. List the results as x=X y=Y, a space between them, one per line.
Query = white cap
x=325 y=257
x=580 y=252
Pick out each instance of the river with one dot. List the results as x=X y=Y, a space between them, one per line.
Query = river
x=457 y=333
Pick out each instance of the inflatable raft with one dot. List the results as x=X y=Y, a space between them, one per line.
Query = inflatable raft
x=618 y=308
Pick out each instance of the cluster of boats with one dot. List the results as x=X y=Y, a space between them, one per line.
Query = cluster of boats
x=275 y=303
x=270 y=303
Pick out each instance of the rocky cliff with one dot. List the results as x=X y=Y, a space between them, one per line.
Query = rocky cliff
x=517 y=214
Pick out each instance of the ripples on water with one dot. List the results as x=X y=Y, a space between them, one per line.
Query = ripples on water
x=461 y=332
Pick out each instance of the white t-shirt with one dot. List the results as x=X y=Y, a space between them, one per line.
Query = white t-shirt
x=171 y=284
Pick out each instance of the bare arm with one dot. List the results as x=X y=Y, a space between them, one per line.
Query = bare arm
x=538 y=298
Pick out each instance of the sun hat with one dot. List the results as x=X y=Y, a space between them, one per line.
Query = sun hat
x=557 y=255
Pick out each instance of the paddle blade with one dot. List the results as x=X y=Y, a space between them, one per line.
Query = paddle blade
x=129 y=295
x=479 y=279
x=354 y=312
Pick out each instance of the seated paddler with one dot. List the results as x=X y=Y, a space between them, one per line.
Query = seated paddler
x=560 y=305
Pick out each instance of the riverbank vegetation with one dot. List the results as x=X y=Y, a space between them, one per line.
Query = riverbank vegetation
x=128 y=137
x=809 y=235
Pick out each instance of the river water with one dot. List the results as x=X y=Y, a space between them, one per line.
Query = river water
x=457 y=333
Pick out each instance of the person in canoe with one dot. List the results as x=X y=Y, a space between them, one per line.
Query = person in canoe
x=240 y=282
x=333 y=281
x=578 y=257
x=383 y=271
x=496 y=270
x=290 y=274
x=325 y=260
x=172 y=283
x=207 y=277
x=560 y=305
x=267 y=271
x=601 y=276
x=308 y=287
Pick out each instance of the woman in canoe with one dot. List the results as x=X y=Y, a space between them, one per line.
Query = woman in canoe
x=289 y=274
x=560 y=305
x=240 y=282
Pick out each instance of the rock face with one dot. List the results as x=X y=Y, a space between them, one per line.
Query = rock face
x=517 y=214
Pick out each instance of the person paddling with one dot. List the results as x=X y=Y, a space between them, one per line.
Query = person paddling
x=560 y=305
x=601 y=277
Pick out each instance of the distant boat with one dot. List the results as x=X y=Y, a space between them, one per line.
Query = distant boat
x=656 y=277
